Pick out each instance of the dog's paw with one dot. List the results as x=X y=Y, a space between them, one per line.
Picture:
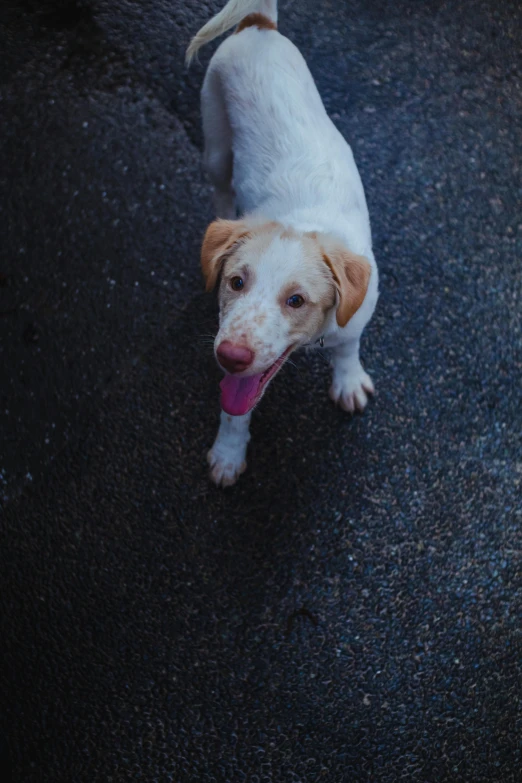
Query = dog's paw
x=351 y=391
x=226 y=465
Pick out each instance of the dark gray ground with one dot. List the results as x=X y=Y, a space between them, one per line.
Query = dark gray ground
x=352 y=611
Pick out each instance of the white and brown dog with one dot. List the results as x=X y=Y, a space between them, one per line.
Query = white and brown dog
x=297 y=268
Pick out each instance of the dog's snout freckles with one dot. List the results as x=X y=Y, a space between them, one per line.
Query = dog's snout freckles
x=254 y=327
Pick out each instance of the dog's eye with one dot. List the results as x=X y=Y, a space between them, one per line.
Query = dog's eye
x=236 y=283
x=295 y=301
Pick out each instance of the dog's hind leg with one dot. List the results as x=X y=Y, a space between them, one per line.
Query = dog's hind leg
x=218 y=156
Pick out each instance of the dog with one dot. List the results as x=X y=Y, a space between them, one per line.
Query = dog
x=291 y=248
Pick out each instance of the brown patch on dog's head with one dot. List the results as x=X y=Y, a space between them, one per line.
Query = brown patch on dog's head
x=351 y=274
x=223 y=237
x=258 y=20
x=218 y=241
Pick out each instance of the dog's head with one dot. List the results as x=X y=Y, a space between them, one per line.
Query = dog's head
x=277 y=288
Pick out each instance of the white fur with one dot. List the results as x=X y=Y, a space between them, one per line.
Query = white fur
x=272 y=153
x=227 y=457
x=230 y=15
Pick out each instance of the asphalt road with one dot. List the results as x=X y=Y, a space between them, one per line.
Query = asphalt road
x=352 y=610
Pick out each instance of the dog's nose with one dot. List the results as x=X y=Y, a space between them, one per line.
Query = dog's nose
x=234 y=358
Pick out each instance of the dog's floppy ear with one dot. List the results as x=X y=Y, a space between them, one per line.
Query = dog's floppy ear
x=219 y=237
x=351 y=274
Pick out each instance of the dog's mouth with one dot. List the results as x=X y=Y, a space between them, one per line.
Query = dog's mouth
x=240 y=394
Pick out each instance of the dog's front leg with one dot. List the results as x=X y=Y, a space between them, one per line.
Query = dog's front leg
x=351 y=385
x=227 y=457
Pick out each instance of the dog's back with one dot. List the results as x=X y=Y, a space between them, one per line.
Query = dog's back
x=286 y=150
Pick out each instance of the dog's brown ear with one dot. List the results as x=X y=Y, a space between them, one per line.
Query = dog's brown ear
x=219 y=237
x=351 y=274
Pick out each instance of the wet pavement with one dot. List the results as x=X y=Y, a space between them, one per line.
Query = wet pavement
x=352 y=610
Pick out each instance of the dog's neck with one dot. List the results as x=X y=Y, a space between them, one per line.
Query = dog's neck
x=327 y=219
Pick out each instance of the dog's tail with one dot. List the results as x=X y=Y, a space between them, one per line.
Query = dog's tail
x=230 y=15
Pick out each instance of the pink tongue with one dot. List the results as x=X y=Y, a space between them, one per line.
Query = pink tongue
x=238 y=395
